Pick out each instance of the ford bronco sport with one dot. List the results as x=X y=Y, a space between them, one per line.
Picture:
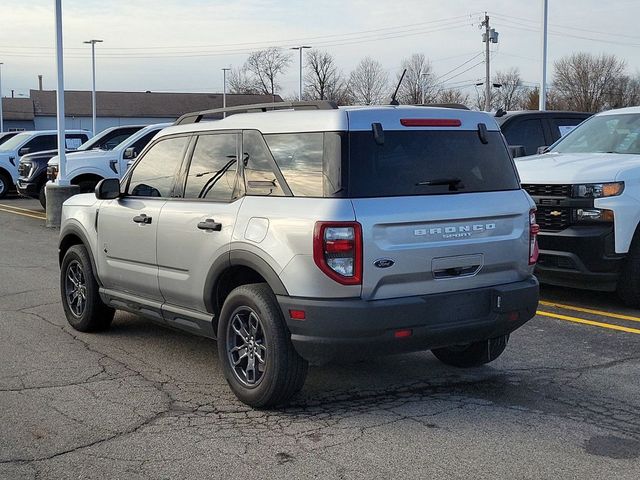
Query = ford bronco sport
x=309 y=234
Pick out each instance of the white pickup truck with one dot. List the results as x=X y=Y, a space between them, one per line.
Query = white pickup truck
x=31 y=142
x=87 y=168
x=587 y=191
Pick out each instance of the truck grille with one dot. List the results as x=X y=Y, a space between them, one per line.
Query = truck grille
x=548 y=190
x=553 y=218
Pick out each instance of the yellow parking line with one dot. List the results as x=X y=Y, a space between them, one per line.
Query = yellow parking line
x=39 y=217
x=4 y=205
x=588 y=322
x=590 y=310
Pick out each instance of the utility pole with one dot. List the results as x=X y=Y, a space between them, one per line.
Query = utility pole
x=224 y=90
x=93 y=88
x=542 y=97
x=489 y=36
x=300 y=48
x=1 y=113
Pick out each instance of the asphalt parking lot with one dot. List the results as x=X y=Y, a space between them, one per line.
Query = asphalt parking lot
x=141 y=401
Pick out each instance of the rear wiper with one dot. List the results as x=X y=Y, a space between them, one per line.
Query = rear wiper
x=454 y=183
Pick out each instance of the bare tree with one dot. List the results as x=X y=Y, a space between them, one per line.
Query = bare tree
x=624 y=92
x=322 y=77
x=240 y=81
x=368 y=83
x=583 y=80
x=265 y=66
x=452 y=95
x=510 y=94
x=418 y=79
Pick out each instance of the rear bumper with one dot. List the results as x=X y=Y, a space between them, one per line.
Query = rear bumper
x=355 y=328
x=580 y=257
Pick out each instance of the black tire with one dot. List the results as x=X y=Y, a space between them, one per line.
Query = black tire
x=629 y=283
x=42 y=197
x=283 y=370
x=88 y=186
x=92 y=314
x=474 y=354
x=5 y=184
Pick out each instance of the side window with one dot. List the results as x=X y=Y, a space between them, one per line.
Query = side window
x=258 y=166
x=212 y=172
x=299 y=157
x=153 y=175
x=139 y=144
x=528 y=133
x=74 y=140
x=42 y=142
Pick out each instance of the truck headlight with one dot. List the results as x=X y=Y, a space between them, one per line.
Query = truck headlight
x=598 y=190
x=593 y=215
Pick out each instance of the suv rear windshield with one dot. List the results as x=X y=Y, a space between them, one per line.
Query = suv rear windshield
x=428 y=162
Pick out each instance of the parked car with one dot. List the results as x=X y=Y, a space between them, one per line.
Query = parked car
x=4 y=136
x=30 y=142
x=87 y=168
x=528 y=131
x=298 y=236
x=32 y=170
x=588 y=197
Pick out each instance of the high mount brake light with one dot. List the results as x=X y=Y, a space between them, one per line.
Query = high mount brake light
x=337 y=251
x=430 y=122
x=534 y=229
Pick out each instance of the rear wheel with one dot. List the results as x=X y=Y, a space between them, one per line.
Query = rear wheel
x=83 y=307
x=255 y=350
x=5 y=184
x=473 y=354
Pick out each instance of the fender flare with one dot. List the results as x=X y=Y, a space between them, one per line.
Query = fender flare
x=75 y=230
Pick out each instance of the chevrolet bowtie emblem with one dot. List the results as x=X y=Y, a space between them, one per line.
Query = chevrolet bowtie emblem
x=555 y=213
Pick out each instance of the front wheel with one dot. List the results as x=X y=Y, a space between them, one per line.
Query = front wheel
x=83 y=307
x=5 y=183
x=42 y=196
x=255 y=350
x=473 y=354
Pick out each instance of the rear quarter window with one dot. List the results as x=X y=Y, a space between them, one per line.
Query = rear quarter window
x=428 y=162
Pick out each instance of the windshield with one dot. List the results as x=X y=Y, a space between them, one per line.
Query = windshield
x=108 y=140
x=14 y=142
x=429 y=162
x=603 y=134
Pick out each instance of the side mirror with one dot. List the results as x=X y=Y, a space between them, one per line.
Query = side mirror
x=543 y=149
x=517 y=151
x=23 y=151
x=108 y=189
x=130 y=153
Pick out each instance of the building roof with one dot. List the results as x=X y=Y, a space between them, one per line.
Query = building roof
x=136 y=104
x=17 y=108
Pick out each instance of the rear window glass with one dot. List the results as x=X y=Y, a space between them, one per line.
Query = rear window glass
x=428 y=162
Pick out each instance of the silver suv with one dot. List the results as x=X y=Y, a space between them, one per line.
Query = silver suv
x=298 y=233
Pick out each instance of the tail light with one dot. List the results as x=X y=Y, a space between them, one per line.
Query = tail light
x=534 y=229
x=337 y=251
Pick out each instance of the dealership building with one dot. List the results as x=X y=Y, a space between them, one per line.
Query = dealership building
x=38 y=112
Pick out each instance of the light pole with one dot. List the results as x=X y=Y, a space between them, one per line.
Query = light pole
x=300 y=48
x=1 y=113
x=542 y=98
x=93 y=85
x=422 y=76
x=224 y=90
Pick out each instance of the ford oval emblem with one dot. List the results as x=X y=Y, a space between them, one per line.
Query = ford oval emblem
x=384 y=263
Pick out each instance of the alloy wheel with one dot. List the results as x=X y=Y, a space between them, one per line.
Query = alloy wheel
x=75 y=289
x=246 y=346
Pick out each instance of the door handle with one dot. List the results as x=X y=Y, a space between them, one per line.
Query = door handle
x=142 y=218
x=210 y=224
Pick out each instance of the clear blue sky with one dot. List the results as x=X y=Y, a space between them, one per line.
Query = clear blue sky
x=168 y=45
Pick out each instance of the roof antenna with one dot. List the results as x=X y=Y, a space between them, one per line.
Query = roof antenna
x=393 y=98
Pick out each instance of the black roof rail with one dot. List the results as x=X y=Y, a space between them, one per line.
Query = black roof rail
x=195 y=117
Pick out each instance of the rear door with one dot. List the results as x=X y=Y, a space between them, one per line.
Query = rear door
x=195 y=231
x=440 y=211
